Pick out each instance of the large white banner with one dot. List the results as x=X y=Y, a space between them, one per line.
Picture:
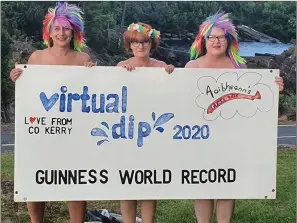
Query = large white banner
x=104 y=133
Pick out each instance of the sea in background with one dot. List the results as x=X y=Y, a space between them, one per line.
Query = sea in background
x=250 y=48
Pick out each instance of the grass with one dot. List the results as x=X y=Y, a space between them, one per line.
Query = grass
x=281 y=210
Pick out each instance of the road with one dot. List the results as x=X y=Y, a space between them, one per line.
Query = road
x=286 y=136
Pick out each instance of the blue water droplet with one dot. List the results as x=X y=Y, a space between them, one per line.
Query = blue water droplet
x=105 y=124
x=98 y=132
x=102 y=141
x=154 y=116
x=160 y=129
x=163 y=119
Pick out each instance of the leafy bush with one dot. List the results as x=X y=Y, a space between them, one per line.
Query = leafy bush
x=286 y=102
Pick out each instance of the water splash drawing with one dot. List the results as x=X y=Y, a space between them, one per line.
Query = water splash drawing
x=105 y=124
x=102 y=141
x=100 y=133
x=160 y=129
x=154 y=116
x=139 y=131
x=161 y=121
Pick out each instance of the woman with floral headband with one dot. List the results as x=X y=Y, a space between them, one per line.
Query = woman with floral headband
x=63 y=34
x=216 y=46
x=140 y=40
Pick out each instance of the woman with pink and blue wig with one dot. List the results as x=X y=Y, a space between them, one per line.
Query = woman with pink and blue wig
x=63 y=34
x=216 y=46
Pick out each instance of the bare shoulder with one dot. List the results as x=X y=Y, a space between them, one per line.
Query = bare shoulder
x=158 y=63
x=36 y=56
x=121 y=63
x=191 y=64
x=82 y=57
x=194 y=63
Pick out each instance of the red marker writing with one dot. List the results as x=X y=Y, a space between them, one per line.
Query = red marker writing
x=228 y=97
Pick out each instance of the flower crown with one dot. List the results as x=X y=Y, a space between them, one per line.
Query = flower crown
x=152 y=33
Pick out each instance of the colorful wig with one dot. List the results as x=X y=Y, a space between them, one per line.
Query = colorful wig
x=219 y=20
x=67 y=16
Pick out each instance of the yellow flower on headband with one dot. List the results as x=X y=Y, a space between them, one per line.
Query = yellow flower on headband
x=152 y=33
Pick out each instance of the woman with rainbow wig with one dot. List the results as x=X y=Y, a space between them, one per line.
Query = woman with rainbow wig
x=63 y=34
x=66 y=16
x=218 y=38
x=216 y=46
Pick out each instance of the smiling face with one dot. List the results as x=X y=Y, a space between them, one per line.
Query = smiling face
x=216 y=44
x=61 y=33
x=140 y=45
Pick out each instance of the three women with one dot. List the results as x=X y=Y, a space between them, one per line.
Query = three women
x=216 y=46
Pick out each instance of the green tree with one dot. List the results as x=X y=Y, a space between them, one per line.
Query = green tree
x=7 y=88
x=102 y=20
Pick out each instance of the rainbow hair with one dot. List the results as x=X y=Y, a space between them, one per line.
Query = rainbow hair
x=222 y=21
x=68 y=16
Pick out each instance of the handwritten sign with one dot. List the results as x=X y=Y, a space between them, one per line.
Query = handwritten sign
x=104 y=133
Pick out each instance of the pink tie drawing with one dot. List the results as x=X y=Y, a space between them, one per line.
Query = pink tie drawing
x=231 y=96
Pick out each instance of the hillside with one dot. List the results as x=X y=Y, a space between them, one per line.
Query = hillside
x=105 y=21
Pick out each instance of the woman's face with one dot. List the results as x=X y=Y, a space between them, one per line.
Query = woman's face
x=60 y=35
x=216 y=43
x=140 y=46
